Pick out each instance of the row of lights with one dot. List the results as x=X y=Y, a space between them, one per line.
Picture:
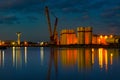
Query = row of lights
x=102 y=38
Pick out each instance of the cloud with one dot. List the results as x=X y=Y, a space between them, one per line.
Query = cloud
x=96 y=5
x=6 y=5
x=32 y=18
x=113 y=27
x=111 y=15
x=68 y=6
x=100 y=7
x=19 y=10
x=8 y=19
x=108 y=14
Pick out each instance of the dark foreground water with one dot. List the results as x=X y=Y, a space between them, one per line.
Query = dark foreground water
x=59 y=64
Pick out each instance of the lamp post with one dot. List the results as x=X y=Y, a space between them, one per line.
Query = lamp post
x=18 y=39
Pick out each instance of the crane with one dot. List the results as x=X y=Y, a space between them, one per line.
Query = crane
x=53 y=35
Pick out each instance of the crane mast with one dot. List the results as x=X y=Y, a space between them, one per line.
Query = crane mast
x=48 y=20
x=53 y=35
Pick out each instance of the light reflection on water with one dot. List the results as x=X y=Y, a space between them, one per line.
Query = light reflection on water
x=1 y=58
x=59 y=63
x=41 y=54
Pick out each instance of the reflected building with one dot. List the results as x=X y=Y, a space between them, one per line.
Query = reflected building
x=17 y=57
x=80 y=56
x=13 y=55
x=84 y=58
x=68 y=57
x=2 y=58
x=25 y=55
x=106 y=57
x=88 y=58
x=103 y=58
x=113 y=54
x=42 y=54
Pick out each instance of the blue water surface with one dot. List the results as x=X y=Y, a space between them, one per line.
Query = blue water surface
x=45 y=63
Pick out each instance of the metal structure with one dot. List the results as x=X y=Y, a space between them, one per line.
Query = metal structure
x=18 y=40
x=53 y=35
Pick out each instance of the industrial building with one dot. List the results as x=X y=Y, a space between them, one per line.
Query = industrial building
x=105 y=39
x=68 y=37
x=84 y=35
x=80 y=36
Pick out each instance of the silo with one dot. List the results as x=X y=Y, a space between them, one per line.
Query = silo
x=63 y=37
x=81 y=35
x=88 y=35
x=67 y=36
x=70 y=36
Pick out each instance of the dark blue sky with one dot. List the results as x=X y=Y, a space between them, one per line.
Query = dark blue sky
x=28 y=17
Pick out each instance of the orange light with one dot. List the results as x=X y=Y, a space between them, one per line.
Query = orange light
x=25 y=43
x=111 y=54
x=13 y=43
x=106 y=37
x=111 y=58
x=101 y=57
x=99 y=41
x=101 y=36
x=106 y=59
x=111 y=36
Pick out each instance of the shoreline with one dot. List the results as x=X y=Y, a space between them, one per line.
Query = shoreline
x=69 y=46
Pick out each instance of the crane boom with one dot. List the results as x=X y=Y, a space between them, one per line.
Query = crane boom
x=55 y=26
x=48 y=20
x=53 y=35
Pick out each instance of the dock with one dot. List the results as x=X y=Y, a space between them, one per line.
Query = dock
x=66 y=46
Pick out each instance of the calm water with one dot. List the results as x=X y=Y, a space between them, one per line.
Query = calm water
x=59 y=64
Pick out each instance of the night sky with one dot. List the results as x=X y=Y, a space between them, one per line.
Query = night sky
x=28 y=17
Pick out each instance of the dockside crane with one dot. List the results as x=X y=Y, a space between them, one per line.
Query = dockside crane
x=53 y=35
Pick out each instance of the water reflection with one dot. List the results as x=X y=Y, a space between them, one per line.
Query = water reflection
x=103 y=58
x=68 y=57
x=111 y=58
x=80 y=56
x=2 y=58
x=13 y=55
x=57 y=63
x=17 y=57
x=85 y=58
x=53 y=60
x=41 y=54
x=25 y=55
x=106 y=57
